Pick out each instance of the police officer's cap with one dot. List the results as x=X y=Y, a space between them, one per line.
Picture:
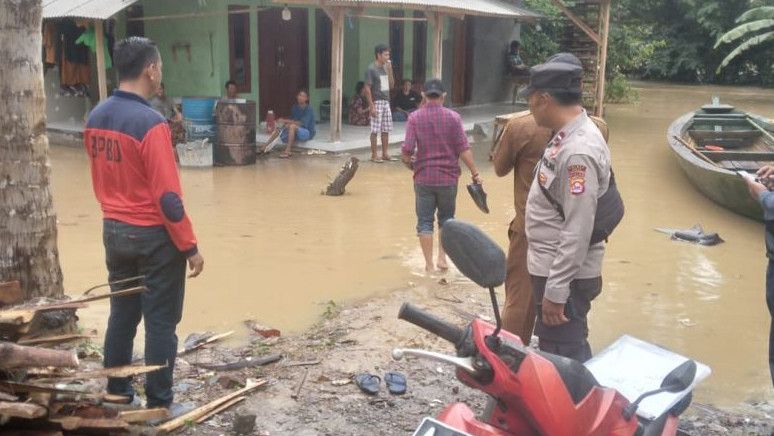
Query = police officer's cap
x=561 y=72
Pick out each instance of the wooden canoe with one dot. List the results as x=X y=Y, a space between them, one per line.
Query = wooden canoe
x=713 y=143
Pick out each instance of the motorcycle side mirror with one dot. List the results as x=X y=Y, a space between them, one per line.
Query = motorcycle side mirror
x=680 y=378
x=474 y=253
x=480 y=259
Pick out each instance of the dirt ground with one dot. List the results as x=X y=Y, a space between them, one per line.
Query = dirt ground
x=358 y=338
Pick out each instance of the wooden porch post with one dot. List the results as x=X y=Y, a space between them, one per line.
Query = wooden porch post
x=600 y=109
x=337 y=70
x=101 y=75
x=437 y=20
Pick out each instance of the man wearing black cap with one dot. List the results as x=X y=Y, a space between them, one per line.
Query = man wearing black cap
x=572 y=175
x=435 y=142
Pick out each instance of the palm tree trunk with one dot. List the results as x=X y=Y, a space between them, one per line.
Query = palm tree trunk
x=28 y=250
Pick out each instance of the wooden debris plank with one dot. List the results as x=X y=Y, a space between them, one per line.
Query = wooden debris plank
x=11 y=292
x=58 y=339
x=20 y=356
x=209 y=340
x=245 y=363
x=25 y=315
x=143 y=415
x=8 y=397
x=22 y=410
x=197 y=413
x=220 y=409
x=14 y=387
x=297 y=392
x=119 y=371
x=71 y=423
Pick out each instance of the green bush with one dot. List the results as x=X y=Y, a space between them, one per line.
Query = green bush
x=619 y=90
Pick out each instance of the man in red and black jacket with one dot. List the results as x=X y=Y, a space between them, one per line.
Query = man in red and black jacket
x=146 y=230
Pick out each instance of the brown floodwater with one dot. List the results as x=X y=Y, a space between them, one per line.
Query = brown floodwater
x=278 y=251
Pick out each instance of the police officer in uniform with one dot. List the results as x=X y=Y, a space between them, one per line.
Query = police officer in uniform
x=574 y=172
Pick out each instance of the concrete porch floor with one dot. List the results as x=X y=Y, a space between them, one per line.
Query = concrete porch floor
x=355 y=138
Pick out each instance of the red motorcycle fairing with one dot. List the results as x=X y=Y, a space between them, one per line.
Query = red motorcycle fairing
x=461 y=417
x=535 y=399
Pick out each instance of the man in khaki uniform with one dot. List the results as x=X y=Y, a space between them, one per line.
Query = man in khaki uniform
x=520 y=148
x=573 y=173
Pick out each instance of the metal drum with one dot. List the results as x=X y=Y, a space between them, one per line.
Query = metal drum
x=235 y=133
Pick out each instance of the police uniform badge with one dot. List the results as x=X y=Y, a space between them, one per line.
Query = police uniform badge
x=577 y=179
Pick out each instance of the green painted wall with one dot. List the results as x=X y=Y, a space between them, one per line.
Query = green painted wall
x=198 y=77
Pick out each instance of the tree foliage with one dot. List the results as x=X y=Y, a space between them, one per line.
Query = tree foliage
x=671 y=40
x=752 y=22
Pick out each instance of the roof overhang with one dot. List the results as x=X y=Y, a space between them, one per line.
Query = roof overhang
x=486 y=8
x=94 y=9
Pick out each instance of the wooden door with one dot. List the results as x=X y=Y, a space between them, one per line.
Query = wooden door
x=462 y=68
x=283 y=60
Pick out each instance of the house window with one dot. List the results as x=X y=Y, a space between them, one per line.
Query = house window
x=419 y=66
x=323 y=49
x=396 y=45
x=239 y=46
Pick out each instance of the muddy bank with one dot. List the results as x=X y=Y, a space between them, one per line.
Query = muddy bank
x=358 y=338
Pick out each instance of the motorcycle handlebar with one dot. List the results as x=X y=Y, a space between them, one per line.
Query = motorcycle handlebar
x=431 y=323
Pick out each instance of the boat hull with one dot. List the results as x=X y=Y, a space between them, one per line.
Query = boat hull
x=722 y=186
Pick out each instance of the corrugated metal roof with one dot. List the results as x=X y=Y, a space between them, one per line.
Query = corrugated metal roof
x=97 y=9
x=493 y=8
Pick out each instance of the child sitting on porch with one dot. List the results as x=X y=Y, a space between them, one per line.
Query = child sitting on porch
x=299 y=127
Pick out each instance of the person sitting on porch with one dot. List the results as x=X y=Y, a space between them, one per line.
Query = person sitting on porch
x=299 y=127
x=359 y=113
x=231 y=90
x=406 y=101
x=168 y=109
x=517 y=69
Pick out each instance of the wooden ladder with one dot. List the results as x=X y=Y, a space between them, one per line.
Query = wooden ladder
x=576 y=41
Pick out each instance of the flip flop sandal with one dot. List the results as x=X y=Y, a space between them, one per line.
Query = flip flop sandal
x=389 y=159
x=376 y=160
x=368 y=383
x=396 y=383
x=286 y=155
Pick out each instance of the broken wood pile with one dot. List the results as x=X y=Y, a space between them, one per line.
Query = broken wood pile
x=47 y=390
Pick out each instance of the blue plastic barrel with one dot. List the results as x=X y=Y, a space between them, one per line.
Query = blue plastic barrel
x=199 y=108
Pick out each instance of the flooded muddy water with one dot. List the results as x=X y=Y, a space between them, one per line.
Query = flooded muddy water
x=278 y=251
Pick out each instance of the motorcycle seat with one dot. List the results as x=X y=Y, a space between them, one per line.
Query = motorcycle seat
x=576 y=377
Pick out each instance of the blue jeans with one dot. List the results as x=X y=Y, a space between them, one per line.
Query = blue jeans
x=770 y=304
x=132 y=251
x=430 y=199
x=399 y=116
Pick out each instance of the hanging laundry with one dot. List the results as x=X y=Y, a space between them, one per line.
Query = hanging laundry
x=89 y=39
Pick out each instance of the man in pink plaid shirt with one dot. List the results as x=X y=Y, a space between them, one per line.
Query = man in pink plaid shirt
x=435 y=143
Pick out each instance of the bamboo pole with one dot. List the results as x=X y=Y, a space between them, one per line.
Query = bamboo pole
x=601 y=79
x=437 y=20
x=101 y=74
x=337 y=71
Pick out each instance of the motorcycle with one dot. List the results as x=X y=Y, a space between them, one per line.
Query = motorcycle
x=531 y=392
